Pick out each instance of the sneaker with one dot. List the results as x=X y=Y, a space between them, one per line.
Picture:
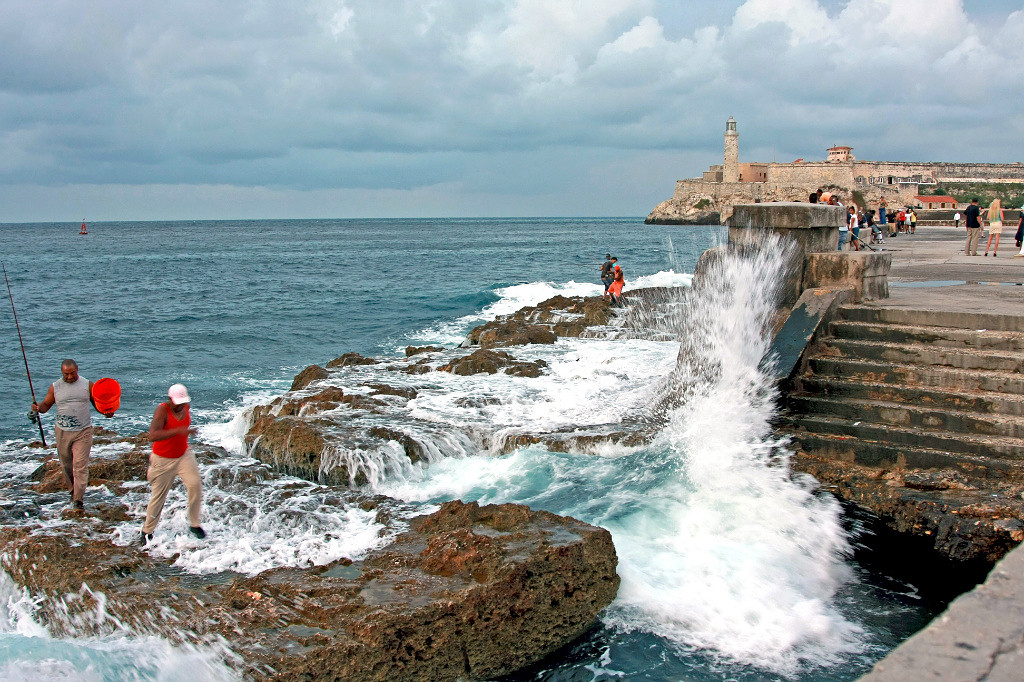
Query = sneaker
x=197 y=531
x=145 y=538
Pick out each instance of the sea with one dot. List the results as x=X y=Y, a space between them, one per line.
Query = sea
x=733 y=567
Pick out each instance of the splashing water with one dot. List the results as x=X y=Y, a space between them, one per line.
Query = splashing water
x=720 y=547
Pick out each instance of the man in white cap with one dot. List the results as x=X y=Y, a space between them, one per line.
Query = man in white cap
x=172 y=457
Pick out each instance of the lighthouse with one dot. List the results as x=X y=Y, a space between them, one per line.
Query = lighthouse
x=731 y=169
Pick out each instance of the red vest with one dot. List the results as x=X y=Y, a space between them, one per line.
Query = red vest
x=174 y=446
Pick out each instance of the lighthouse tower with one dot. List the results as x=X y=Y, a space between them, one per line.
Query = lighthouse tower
x=731 y=169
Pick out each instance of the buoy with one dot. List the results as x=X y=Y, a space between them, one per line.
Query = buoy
x=106 y=394
x=83 y=231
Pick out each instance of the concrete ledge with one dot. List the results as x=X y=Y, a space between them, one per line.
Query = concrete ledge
x=814 y=309
x=814 y=227
x=864 y=272
x=958 y=319
x=979 y=637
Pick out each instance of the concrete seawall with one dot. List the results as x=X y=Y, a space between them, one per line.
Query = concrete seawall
x=981 y=634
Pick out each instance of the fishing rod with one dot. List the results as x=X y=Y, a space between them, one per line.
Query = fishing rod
x=37 y=420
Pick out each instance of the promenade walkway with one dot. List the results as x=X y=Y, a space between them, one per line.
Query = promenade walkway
x=981 y=634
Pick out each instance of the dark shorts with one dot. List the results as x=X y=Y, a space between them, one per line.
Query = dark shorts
x=607 y=282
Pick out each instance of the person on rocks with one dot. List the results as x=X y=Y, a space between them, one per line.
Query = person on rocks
x=172 y=457
x=972 y=219
x=73 y=426
x=615 y=290
x=607 y=276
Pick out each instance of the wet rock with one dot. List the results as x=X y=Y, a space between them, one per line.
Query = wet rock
x=416 y=350
x=467 y=593
x=293 y=446
x=490 y=361
x=510 y=332
x=385 y=389
x=350 y=359
x=308 y=376
x=962 y=523
x=414 y=450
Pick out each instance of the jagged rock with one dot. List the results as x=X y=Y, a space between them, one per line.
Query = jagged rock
x=696 y=210
x=963 y=523
x=308 y=376
x=467 y=593
x=413 y=449
x=294 y=446
x=490 y=361
x=384 y=389
x=416 y=350
x=349 y=359
x=510 y=332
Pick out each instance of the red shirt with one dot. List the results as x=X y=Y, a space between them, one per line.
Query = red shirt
x=174 y=446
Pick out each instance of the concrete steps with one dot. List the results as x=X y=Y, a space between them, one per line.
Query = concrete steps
x=915 y=389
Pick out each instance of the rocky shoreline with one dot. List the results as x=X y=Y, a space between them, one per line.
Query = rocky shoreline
x=464 y=592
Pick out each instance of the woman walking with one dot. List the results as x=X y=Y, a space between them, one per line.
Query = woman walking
x=995 y=226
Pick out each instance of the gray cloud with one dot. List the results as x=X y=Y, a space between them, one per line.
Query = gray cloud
x=500 y=106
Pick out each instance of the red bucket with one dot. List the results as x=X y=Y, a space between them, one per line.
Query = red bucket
x=106 y=394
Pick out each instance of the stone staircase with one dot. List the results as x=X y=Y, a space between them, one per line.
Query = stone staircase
x=928 y=405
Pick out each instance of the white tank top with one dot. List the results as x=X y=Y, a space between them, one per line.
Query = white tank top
x=72 y=402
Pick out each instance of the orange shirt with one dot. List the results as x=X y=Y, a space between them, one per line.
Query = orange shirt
x=174 y=446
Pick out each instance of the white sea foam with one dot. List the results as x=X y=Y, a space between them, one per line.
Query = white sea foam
x=516 y=296
x=720 y=548
x=34 y=656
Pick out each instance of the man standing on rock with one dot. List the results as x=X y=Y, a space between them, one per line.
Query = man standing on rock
x=73 y=426
x=973 y=221
x=606 y=271
x=172 y=457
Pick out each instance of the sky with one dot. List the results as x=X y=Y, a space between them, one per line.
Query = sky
x=236 y=109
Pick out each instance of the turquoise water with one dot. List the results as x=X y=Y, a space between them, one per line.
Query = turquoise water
x=730 y=569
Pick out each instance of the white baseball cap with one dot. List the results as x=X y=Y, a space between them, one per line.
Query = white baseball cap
x=178 y=394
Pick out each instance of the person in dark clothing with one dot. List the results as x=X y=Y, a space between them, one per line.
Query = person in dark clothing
x=973 y=221
x=607 y=276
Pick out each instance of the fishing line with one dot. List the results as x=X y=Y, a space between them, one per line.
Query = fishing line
x=38 y=421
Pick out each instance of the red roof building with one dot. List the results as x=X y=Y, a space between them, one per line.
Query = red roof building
x=936 y=201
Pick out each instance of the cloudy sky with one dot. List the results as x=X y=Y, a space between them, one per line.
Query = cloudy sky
x=128 y=110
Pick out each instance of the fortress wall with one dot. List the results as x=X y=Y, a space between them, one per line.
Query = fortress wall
x=719 y=192
x=810 y=175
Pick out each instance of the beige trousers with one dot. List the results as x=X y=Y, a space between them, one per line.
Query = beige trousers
x=73 y=448
x=161 y=475
x=973 y=235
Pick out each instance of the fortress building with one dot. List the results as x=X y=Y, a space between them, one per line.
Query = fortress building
x=710 y=198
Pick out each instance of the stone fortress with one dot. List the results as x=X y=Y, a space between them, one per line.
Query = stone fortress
x=709 y=199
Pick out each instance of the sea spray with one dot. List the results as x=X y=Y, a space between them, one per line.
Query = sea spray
x=732 y=553
x=31 y=654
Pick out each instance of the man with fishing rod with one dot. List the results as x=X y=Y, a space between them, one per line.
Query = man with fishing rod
x=72 y=395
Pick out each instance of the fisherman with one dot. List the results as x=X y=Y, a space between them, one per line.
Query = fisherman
x=606 y=271
x=615 y=290
x=73 y=426
x=172 y=457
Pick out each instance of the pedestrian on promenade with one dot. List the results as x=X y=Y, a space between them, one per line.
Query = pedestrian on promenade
x=844 y=232
x=972 y=217
x=606 y=270
x=883 y=218
x=956 y=218
x=73 y=426
x=812 y=198
x=1020 y=230
x=901 y=221
x=913 y=221
x=995 y=225
x=854 y=225
x=172 y=457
